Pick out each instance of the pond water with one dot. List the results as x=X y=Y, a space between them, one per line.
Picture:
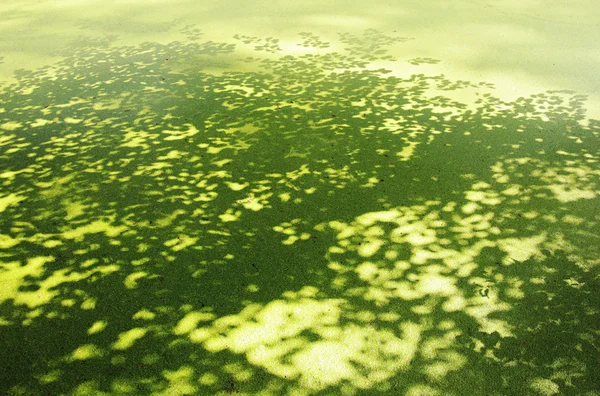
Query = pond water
x=316 y=198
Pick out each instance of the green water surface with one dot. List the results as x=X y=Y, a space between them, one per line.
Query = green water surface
x=263 y=198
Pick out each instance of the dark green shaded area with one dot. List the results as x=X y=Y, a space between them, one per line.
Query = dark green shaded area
x=157 y=190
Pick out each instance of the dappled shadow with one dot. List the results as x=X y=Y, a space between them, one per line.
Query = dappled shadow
x=308 y=225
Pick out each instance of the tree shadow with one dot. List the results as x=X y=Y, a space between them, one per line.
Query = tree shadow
x=308 y=226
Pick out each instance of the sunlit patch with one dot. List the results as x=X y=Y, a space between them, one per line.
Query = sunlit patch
x=565 y=193
x=108 y=104
x=11 y=125
x=124 y=386
x=180 y=382
x=128 y=338
x=10 y=199
x=421 y=238
x=470 y=208
x=13 y=275
x=446 y=361
x=181 y=242
x=253 y=204
x=487 y=198
x=207 y=197
x=191 y=320
x=130 y=281
x=133 y=138
x=455 y=303
x=230 y=215
x=208 y=378
x=88 y=351
x=69 y=302
x=6 y=241
x=246 y=129
x=351 y=353
x=544 y=386
x=144 y=314
x=71 y=120
x=521 y=249
x=89 y=304
x=423 y=390
x=237 y=186
x=97 y=327
x=7 y=140
x=370 y=247
x=172 y=155
x=74 y=209
x=181 y=133
x=98 y=226
x=407 y=151
x=571 y=219
x=367 y=270
x=484 y=313
x=199 y=336
x=50 y=377
x=323 y=364
x=285 y=197
x=435 y=284
x=168 y=219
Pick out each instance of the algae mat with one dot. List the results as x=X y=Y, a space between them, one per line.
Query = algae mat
x=303 y=199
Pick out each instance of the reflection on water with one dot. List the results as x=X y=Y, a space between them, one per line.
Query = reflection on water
x=264 y=216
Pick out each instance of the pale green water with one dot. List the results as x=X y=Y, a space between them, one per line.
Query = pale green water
x=303 y=199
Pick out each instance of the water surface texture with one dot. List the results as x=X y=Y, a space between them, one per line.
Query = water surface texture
x=299 y=198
